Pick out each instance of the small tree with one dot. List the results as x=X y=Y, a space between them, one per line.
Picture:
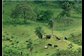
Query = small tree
x=39 y=32
x=23 y=11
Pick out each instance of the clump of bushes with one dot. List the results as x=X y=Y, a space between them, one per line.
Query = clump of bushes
x=11 y=51
x=43 y=15
x=78 y=52
x=76 y=38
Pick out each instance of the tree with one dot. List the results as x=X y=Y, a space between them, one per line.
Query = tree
x=66 y=6
x=51 y=24
x=39 y=32
x=44 y=16
x=14 y=15
x=23 y=11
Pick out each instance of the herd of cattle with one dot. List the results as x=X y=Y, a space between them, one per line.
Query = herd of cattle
x=49 y=37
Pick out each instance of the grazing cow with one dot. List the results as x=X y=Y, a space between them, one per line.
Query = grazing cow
x=65 y=38
x=55 y=46
x=48 y=36
x=45 y=47
x=49 y=44
x=57 y=38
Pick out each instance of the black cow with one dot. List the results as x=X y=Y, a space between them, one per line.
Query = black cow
x=57 y=38
x=55 y=46
x=65 y=38
x=49 y=44
x=48 y=36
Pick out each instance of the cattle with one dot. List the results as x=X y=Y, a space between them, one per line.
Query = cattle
x=49 y=44
x=48 y=36
x=65 y=38
x=45 y=47
x=57 y=38
x=55 y=46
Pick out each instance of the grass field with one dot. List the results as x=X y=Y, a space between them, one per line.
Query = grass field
x=22 y=33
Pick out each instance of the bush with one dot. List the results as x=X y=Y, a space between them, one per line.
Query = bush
x=11 y=51
x=68 y=53
x=39 y=32
x=44 y=16
x=76 y=38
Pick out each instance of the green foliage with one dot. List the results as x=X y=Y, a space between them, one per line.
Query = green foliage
x=44 y=16
x=11 y=51
x=50 y=23
x=22 y=32
x=66 y=6
x=39 y=32
x=68 y=53
x=76 y=38
x=30 y=44
x=23 y=11
x=70 y=45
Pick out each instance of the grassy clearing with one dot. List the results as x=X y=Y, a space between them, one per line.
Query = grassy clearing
x=22 y=33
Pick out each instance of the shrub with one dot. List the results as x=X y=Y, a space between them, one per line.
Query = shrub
x=44 y=16
x=11 y=51
x=39 y=32
x=68 y=53
x=76 y=38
